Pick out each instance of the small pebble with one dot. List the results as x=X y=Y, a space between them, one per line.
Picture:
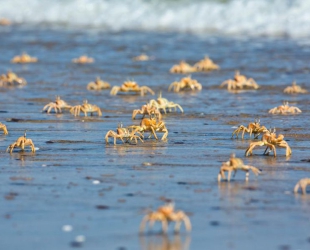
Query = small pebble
x=67 y=228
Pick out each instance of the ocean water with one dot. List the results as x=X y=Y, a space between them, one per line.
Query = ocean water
x=103 y=191
x=251 y=17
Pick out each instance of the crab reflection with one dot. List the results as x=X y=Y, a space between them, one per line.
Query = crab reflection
x=164 y=242
x=21 y=157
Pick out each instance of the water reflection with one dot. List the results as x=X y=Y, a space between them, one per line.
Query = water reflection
x=149 y=148
x=21 y=157
x=164 y=242
x=262 y=161
x=131 y=98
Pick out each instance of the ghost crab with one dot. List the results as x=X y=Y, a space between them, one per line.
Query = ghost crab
x=303 y=183
x=131 y=86
x=294 y=89
x=3 y=127
x=98 y=84
x=5 y=22
x=147 y=109
x=206 y=64
x=57 y=105
x=151 y=125
x=284 y=109
x=85 y=108
x=166 y=214
x=184 y=84
x=83 y=59
x=163 y=104
x=240 y=82
x=142 y=57
x=11 y=78
x=24 y=58
x=21 y=142
x=233 y=165
x=252 y=128
x=123 y=133
x=271 y=140
x=182 y=68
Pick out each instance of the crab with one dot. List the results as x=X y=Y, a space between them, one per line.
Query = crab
x=98 y=84
x=24 y=58
x=83 y=59
x=271 y=140
x=163 y=104
x=5 y=22
x=11 y=78
x=233 y=165
x=142 y=57
x=184 y=84
x=131 y=86
x=57 y=105
x=86 y=108
x=303 y=183
x=253 y=127
x=166 y=214
x=151 y=125
x=123 y=133
x=182 y=68
x=206 y=64
x=295 y=89
x=284 y=109
x=240 y=82
x=3 y=127
x=147 y=109
x=21 y=142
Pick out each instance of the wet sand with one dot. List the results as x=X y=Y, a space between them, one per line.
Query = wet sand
x=42 y=192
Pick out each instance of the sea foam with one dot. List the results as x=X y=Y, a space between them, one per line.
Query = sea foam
x=245 y=17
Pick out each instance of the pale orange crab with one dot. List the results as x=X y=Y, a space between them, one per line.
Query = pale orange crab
x=21 y=142
x=5 y=22
x=151 y=125
x=24 y=58
x=206 y=64
x=85 y=108
x=83 y=60
x=166 y=214
x=147 y=109
x=233 y=165
x=284 y=109
x=98 y=84
x=182 y=68
x=303 y=183
x=142 y=57
x=10 y=79
x=163 y=104
x=271 y=140
x=123 y=133
x=3 y=127
x=240 y=82
x=186 y=83
x=57 y=105
x=252 y=128
x=294 y=89
x=131 y=86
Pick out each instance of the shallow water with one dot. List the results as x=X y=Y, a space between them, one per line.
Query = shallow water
x=54 y=187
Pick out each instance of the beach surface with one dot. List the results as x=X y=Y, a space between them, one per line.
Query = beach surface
x=76 y=191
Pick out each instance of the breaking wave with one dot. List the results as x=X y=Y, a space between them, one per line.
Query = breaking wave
x=247 y=17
